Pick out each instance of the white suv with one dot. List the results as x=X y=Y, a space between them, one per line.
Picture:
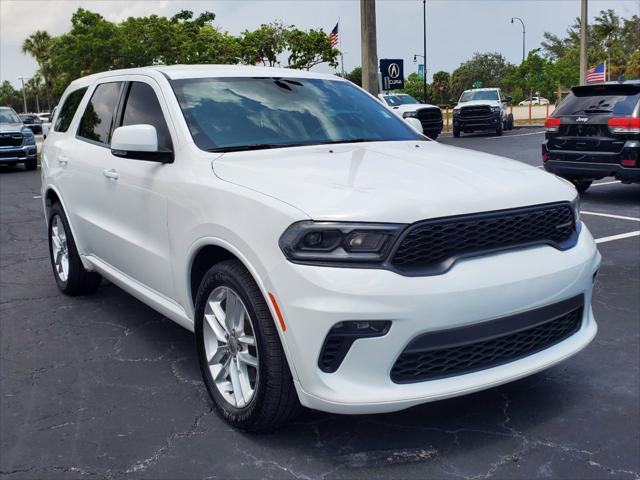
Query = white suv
x=324 y=253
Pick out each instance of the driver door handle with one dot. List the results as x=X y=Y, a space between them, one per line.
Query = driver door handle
x=111 y=173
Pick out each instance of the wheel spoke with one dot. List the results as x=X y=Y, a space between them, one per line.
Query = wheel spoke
x=247 y=340
x=218 y=356
x=218 y=331
x=219 y=314
x=233 y=309
x=245 y=383
x=235 y=381
x=248 y=359
x=224 y=371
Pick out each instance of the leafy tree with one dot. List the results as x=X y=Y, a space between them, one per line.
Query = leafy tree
x=38 y=45
x=308 y=49
x=414 y=86
x=264 y=44
x=488 y=68
x=10 y=97
x=355 y=76
x=441 y=88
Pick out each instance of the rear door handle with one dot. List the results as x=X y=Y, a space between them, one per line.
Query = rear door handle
x=111 y=173
x=62 y=159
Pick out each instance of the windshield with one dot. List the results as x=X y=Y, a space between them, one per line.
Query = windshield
x=606 y=99
x=392 y=100
x=479 y=95
x=407 y=99
x=225 y=114
x=8 y=116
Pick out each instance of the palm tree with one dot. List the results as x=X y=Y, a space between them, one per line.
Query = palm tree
x=38 y=45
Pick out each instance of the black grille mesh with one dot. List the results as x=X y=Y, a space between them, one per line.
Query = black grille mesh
x=434 y=244
x=430 y=365
x=10 y=140
x=475 y=111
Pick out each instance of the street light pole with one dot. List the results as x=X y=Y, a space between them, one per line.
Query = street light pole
x=24 y=95
x=583 y=42
x=523 y=35
x=424 y=45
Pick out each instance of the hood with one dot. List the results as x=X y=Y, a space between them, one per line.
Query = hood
x=492 y=103
x=390 y=181
x=11 y=127
x=412 y=107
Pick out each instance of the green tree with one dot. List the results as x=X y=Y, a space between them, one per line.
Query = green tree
x=310 y=48
x=488 y=68
x=38 y=45
x=264 y=44
x=441 y=88
x=414 y=86
x=10 y=97
x=354 y=76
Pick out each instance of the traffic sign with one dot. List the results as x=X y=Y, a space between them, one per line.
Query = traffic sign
x=477 y=84
x=421 y=71
x=392 y=71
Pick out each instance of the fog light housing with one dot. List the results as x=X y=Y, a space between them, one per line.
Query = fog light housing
x=341 y=337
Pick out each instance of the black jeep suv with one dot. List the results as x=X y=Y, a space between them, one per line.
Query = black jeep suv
x=595 y=133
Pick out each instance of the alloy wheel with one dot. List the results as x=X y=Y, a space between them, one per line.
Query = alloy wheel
x=230 y=346
x=59 y=248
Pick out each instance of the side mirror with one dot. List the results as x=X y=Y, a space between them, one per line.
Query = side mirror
x=138 y=142
x=414 y=123
x=507 y=99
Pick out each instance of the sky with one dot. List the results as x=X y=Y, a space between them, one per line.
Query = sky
x=455 y=28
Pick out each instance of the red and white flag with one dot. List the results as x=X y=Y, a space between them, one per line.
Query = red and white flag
x=597 y=74
x=333 y=36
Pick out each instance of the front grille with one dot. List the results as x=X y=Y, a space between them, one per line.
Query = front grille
x=478 y=111
x=469 y=349
x=432 y=246
x=10 y=139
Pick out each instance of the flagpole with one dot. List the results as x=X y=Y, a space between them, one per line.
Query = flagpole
x=341 y=55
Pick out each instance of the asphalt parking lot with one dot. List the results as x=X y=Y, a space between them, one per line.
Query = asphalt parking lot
x=103 y=386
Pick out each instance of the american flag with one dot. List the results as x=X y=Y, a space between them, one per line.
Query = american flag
x=333 y=36
x=596 y=74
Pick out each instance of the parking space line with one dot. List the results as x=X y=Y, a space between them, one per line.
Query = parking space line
x=516 y=135
x=618 y=237
x=605 y=183
x=610 y=215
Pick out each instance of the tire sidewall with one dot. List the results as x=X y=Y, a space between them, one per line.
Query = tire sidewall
x=216 y=277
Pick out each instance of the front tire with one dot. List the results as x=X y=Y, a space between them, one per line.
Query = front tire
x=499 y=129
x=31 y=164
x=456 y=132
x=582 y=185
x=70 y=274
x=241 y=358
x=510 y=122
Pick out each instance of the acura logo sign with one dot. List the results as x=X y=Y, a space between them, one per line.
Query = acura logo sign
x=394 y=70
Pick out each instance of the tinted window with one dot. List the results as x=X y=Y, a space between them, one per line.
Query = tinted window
x=143 y=108
x=479 y=95
x=97 y=120
x=68 y=110
x=8 y=116
x=249 y=113
x=613 y=99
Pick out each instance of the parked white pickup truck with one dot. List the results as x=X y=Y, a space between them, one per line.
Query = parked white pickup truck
x=406 y=106
x=482 y=109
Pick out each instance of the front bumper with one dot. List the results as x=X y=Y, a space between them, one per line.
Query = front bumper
x=18 y=154
x=594 y=165
x=313 y=299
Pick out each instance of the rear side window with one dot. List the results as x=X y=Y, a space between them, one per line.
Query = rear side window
x=613 y=99
x=97 y=120
x=68 y=110
x=143 y=108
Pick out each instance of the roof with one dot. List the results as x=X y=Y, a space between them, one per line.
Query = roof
x=176 y=72
x=482 y=89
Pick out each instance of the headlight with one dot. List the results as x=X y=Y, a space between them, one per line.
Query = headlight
x=495 y=109
x=332 y=242
x=575 y=204
x=456 y=111
x=28 y=137
x=409 y=114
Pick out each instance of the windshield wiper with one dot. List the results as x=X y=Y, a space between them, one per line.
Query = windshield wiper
x=266 y=146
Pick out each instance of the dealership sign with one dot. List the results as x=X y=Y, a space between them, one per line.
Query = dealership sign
x=392 y=71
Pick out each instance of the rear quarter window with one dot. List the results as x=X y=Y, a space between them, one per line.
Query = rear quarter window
x=68 y=110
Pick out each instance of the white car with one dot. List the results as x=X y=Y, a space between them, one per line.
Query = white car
x=534 y=101
x=324 y=253
x=405 y=106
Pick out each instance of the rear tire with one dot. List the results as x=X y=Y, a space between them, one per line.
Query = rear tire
x=70 y=274
x=510 y=122
x=252 y=399
x=582 y=185
x=31 y=164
